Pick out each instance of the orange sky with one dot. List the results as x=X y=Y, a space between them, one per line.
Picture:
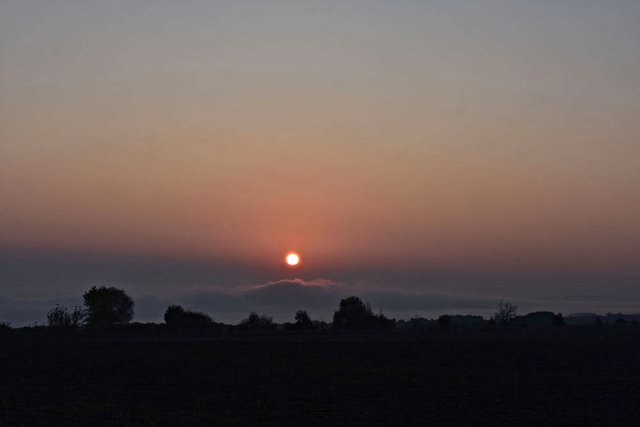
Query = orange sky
x=402 y=134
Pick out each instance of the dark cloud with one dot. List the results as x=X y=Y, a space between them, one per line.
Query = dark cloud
x=317 y=294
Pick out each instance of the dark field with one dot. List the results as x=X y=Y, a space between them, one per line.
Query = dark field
x=569 y=376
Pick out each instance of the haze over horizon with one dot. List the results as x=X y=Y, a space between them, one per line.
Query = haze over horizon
x=430 y=156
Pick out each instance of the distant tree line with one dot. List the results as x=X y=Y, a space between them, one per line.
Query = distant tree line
x=106 y=307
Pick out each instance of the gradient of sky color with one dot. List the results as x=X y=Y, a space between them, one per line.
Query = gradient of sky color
x=489 y=136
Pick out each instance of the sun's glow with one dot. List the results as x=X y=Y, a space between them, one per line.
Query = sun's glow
x=293 y=259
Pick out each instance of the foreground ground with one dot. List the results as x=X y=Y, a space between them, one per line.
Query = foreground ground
x=568 y=376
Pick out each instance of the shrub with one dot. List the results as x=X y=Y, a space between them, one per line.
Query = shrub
x=178 y=317
x=60 y=317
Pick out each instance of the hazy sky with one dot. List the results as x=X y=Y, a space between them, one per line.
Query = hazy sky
x=390 y=142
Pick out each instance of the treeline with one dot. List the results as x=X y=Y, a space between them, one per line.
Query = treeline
x=109 y=308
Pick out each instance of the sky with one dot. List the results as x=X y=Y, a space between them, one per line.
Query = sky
x=430 y=156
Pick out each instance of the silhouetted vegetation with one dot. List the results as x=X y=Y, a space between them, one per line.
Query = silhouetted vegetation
x=416 y=324
x=506 y=312
x=537 y=319
x=256 y=322
x=444 y=322
x=303 y=321
x=5 y=328
x=178 y=318
x=107 y=306
x=113 y=307
x=558 y=320
x=354 y=314
x=59 y=317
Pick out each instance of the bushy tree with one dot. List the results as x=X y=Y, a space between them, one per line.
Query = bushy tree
x=257 y=322
x=178 y=317
x=354 y=314
x=60 y=317
x=107 y=306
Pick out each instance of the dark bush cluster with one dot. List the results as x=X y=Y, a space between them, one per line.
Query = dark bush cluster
x=256 y=322
x=59 y=317
x=179 y=318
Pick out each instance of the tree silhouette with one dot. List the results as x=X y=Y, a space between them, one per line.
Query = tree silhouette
x=506 y=312
x=355 y=314
x=303 y=321
x=107 y=306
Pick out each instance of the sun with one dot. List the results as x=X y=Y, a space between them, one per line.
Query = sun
x=292 y=259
